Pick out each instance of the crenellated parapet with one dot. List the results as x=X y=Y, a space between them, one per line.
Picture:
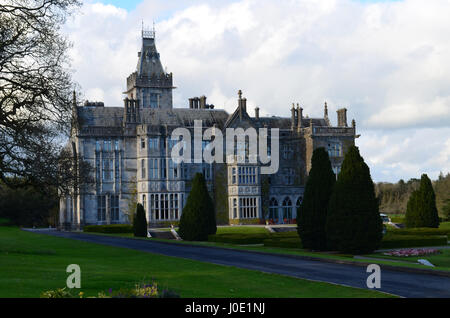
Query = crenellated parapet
x=161 y=80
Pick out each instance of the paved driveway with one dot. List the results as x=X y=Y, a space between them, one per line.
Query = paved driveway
x=394 y=282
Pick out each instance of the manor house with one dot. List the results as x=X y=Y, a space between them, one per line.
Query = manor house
x=129 y=149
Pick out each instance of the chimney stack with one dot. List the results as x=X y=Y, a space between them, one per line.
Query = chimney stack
x=293 y=117
x=203 y=102
x=325 y=111
x=299 y=116
x=191 y=103
x=342 y=117
x=257 y=113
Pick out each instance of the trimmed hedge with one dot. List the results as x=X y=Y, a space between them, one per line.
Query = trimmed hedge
x=292 y=234
x=247 y=222
x=283 y=243
x=111 y=228
x=400 y=241
x=420 y=231
x=397 y=219
x=250 y=238
x=238 y=238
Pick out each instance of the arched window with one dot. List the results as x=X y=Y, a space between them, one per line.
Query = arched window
x=273 y=209
x=287 y=209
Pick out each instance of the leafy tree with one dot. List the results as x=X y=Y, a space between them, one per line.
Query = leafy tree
x=131 y=200
x=265 y=189
x=140 y=222
x=421 y=210
x=198 y=219
x=446 y=209
x=35 y=88
x=28 y=206
x=312 y=213
x=354 y=224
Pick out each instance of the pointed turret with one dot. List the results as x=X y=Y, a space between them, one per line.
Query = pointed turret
x=150 y=85
x=149 y=62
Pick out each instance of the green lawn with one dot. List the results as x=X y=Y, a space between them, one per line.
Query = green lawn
x=292 y=251
x=32 y=263
x=445 y=225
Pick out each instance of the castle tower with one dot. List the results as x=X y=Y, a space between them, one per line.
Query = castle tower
x=150 y=85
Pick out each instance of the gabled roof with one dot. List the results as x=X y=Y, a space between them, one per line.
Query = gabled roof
x=236 y=116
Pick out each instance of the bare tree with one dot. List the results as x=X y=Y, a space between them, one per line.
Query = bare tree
x=35 y=89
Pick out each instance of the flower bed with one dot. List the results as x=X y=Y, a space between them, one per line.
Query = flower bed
x=413 y=252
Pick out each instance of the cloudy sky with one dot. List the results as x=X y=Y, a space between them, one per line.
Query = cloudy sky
x=387 y=62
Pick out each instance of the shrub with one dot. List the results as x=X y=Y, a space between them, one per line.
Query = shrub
x=142 y=290
x=251 y=238
x=111 y=228
x=140 y=222
x=398 y=219
x=238 y=238
x=198 y=219
x=284 y=242
x=421 y=209
x=247 y=222
x=28 y=206
x=57 y=293
x=312 y=213
x=420 y=231
x=399 y=241
x=353 y=222
x=446 y=210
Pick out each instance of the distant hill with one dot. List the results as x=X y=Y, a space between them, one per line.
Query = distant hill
x=394 y=196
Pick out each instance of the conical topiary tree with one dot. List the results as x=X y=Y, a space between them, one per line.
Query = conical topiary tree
x=140 y=222
x=354 y=224
x=198 y=219
x=312 y=213
x=421 y=209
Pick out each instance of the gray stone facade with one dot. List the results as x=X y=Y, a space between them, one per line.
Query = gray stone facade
x=129 y=148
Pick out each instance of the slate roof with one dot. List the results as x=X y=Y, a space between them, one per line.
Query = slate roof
x=183 y=117
x=113 y=116
x=149 y=61
x=285 y=122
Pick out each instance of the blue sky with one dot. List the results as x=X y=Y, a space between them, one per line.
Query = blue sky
x=126 y=4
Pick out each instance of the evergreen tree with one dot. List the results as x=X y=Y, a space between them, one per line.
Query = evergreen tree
x=421 y=209
x=354 y=224
x=412 y=210
x=140 y=222
x=198 y=219
x=446 y=210
x=312 y=213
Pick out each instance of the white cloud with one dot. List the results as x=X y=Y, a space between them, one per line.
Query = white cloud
x=386 y=62
x=406 y=153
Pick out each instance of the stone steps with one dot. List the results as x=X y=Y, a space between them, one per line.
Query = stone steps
x=167 y=235
x=284 y=229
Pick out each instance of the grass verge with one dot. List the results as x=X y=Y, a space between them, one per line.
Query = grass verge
x=33 y=263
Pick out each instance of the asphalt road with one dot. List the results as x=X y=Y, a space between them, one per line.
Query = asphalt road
x=394 y=282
